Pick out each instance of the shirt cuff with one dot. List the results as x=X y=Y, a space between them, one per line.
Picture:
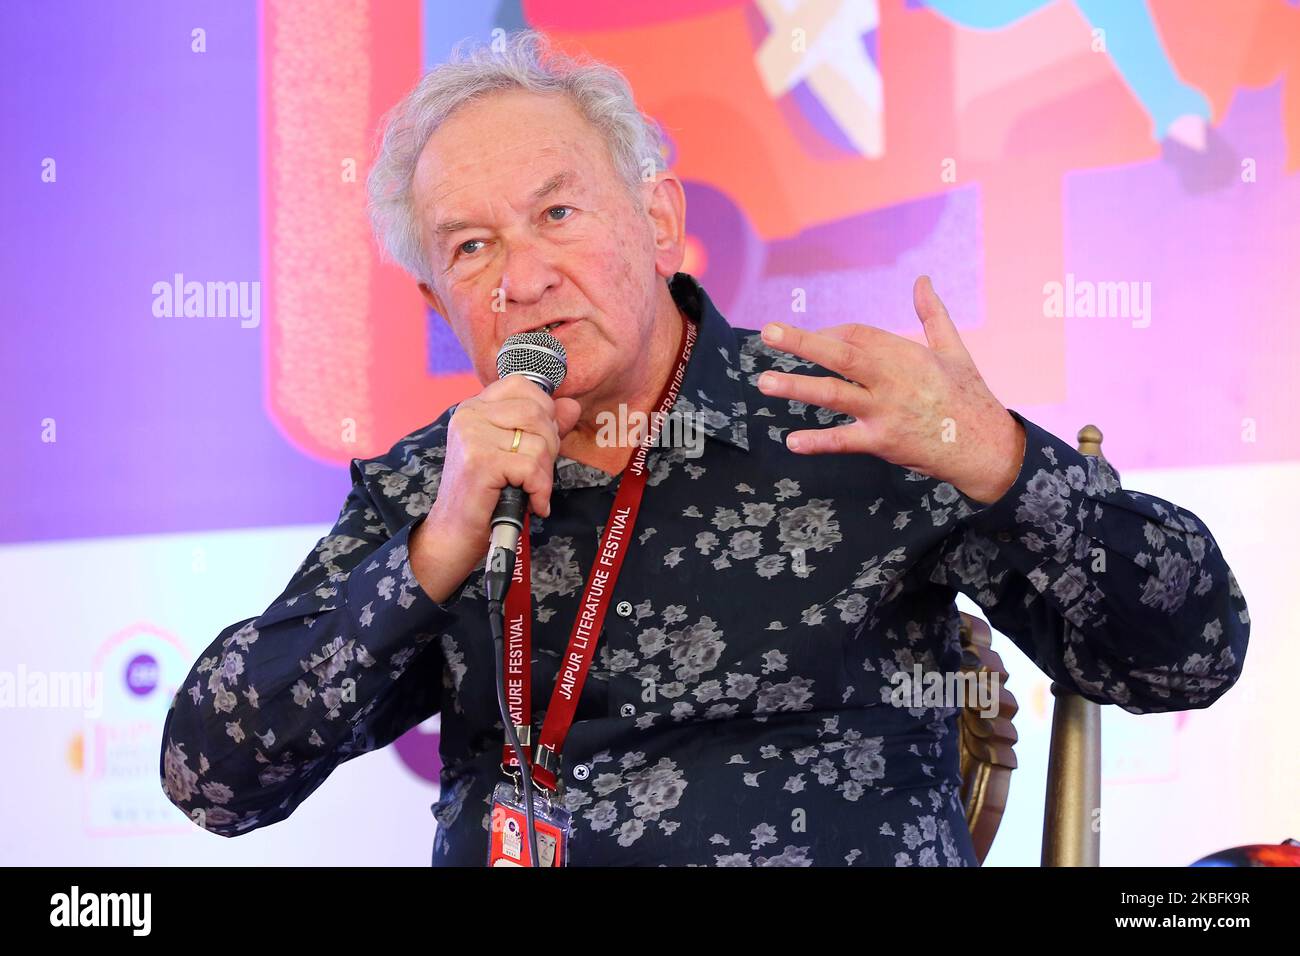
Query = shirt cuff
x=1045 y=454
x=384 y=596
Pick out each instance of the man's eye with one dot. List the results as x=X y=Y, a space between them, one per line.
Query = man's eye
x=461 y=248
x=554 y=208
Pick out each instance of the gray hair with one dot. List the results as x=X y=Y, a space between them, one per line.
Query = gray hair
x=523 y=60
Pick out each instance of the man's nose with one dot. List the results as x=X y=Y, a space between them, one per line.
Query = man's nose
x=528 y=273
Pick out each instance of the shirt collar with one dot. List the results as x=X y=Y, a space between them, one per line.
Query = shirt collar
x=711 y=385
x=711 y=390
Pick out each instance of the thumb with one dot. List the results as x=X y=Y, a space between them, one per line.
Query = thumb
x=567 y=412
x=940 y=333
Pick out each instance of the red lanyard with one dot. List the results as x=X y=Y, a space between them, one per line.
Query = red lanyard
x=591 y=610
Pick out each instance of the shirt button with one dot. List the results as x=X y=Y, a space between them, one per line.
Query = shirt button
x=581 y=771
x=627 y=710
x=624 y=608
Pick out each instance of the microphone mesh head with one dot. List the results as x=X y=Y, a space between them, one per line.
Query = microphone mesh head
x=538 y=355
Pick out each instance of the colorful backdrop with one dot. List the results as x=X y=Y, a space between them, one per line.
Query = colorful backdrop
x=1106 y=194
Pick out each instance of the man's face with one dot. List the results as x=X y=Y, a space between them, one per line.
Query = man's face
x=525 y=222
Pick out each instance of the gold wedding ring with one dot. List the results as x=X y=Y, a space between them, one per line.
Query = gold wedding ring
x=519 y=433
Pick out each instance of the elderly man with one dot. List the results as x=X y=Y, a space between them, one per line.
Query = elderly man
x=739 y=705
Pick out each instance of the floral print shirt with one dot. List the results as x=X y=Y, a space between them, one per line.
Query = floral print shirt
x=739 y=709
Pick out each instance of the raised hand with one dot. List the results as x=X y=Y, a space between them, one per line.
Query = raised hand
x=924 y=407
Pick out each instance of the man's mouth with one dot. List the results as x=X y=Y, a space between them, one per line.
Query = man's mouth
x=552 y=326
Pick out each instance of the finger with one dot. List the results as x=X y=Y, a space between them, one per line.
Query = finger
x=481 y=441
x=531 y=446
x=883 y=348
x=567 y=412
x=536 y=480
x=842 y=439
x=940 y=332
x=863 y=336
x=832 y=353
x=517 y=386
x=508 y=414
x=824 y=390
x=524 y=471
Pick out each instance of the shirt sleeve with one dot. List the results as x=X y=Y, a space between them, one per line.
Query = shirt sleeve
x=1119 y=596
x=343 y=662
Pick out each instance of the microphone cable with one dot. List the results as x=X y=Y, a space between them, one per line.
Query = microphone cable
x=495 y=583
x=541 y=358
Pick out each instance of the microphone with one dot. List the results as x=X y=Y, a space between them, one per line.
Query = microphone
x=540 y=358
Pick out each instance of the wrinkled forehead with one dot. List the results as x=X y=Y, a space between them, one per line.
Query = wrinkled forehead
x=507 y=146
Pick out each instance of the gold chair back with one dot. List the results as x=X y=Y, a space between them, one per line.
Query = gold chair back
x=1072 y=815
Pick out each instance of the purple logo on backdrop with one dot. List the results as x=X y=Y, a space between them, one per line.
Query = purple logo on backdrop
x=142 y=674
x=418 y=750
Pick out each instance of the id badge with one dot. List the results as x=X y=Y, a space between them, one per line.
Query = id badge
x=508 y=845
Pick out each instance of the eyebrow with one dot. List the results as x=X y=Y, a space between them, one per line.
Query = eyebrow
x=558 y=181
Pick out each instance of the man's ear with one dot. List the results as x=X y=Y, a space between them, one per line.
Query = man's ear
x=667 y=211
x=432 y=299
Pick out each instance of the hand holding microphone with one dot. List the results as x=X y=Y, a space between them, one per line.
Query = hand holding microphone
x=480 y=464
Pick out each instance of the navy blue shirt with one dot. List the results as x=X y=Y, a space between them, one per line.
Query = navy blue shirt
x=741 y=710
